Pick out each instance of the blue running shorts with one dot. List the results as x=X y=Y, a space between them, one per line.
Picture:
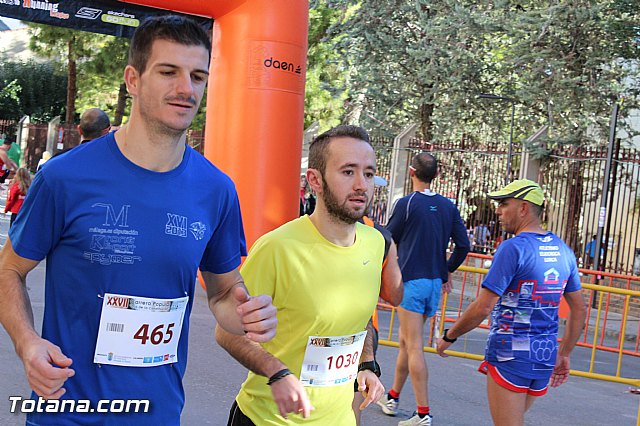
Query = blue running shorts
x=422 y=296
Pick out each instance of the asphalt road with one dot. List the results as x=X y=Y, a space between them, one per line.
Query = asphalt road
x=457 y=391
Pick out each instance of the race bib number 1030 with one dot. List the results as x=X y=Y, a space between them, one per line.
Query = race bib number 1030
x=332 y=360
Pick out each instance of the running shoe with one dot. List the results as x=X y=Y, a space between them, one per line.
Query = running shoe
x=417 y=421
x=389 y=405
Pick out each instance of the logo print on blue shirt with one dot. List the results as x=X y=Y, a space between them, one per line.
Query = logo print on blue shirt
x=176 y=225
x=433 y=208
x=543 y=349
x=111 y=219
x=551 y=276
x=550 y=290
x=197 y=229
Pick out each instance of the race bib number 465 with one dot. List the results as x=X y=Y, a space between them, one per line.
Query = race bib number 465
x=331 y=361
x=139 y=331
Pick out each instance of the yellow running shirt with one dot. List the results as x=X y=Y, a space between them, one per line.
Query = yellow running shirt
x=319 y=289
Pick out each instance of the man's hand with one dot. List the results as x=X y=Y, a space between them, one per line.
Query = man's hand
x=560 y=371
x=370 y=386
x=448 y=286
x=291 y=397
x=47 y=368
x=258 y=315
x=441 y=347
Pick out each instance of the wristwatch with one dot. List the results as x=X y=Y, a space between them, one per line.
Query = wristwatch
x=371 y=366
x=446 y=339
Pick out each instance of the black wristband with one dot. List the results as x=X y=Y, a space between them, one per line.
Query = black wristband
x=371 y=366
x=279 y=375
x=446 y=339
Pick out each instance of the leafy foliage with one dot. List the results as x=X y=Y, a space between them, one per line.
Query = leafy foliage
x=31 y=88
x=564 y=63
x=384 y=64
x=94 y=64
x=101 y=76
x=9 y=96
x=326 y=76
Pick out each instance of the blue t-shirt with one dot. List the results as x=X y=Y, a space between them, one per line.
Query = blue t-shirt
x=530 y=272
x=422 y=224
x=590 y=249
x=106 y=225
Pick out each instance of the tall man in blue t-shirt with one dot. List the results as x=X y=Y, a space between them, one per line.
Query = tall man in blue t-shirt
x=125 y=222
x=422 y=224
x=522 y=291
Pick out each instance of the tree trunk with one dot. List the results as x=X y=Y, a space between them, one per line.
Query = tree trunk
x=122 y=103
x=71 y=84
x=426 y=124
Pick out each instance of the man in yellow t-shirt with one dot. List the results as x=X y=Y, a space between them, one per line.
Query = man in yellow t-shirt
x=323 y=273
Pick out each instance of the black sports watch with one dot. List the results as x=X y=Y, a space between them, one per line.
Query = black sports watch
x=446 y=339
x=371 y=366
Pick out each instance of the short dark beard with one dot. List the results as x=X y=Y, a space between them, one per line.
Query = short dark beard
x=339 y=211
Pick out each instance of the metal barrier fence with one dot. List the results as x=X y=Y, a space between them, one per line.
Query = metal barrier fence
x=610 y=341
x=37 y=141
x=7 y=127
x=571 y=176
x=384 y=153
x=468 y=169
x=609 y=327
x=195 y=139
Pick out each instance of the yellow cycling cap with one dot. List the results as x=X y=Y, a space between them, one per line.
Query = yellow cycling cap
x=522 y=189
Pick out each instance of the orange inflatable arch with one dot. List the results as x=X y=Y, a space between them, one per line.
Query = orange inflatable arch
x=255 y=101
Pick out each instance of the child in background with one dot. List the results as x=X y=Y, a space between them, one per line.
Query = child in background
x=17 y=192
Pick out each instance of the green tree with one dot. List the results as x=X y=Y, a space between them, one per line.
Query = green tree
x=9 y=98
x=568 y=62
x=31 y=88
x=325 y=92
x=425 y=61
x=74 y=46
x=101 y=84
x=407 y=59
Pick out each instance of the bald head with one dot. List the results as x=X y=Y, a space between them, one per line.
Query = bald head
x=94 y=123
x=425 y=167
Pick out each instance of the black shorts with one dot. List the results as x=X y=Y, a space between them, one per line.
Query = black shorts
x=237 y=417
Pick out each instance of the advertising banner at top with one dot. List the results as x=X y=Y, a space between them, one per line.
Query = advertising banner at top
x=103 y=16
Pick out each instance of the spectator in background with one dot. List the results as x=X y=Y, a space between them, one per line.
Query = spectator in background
x=17 y=193
x=481 y=236
x=7 y=165
x=13 y=150
x=307 y=199
x=590 y=252
x=46 y=156
x=93 y=124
